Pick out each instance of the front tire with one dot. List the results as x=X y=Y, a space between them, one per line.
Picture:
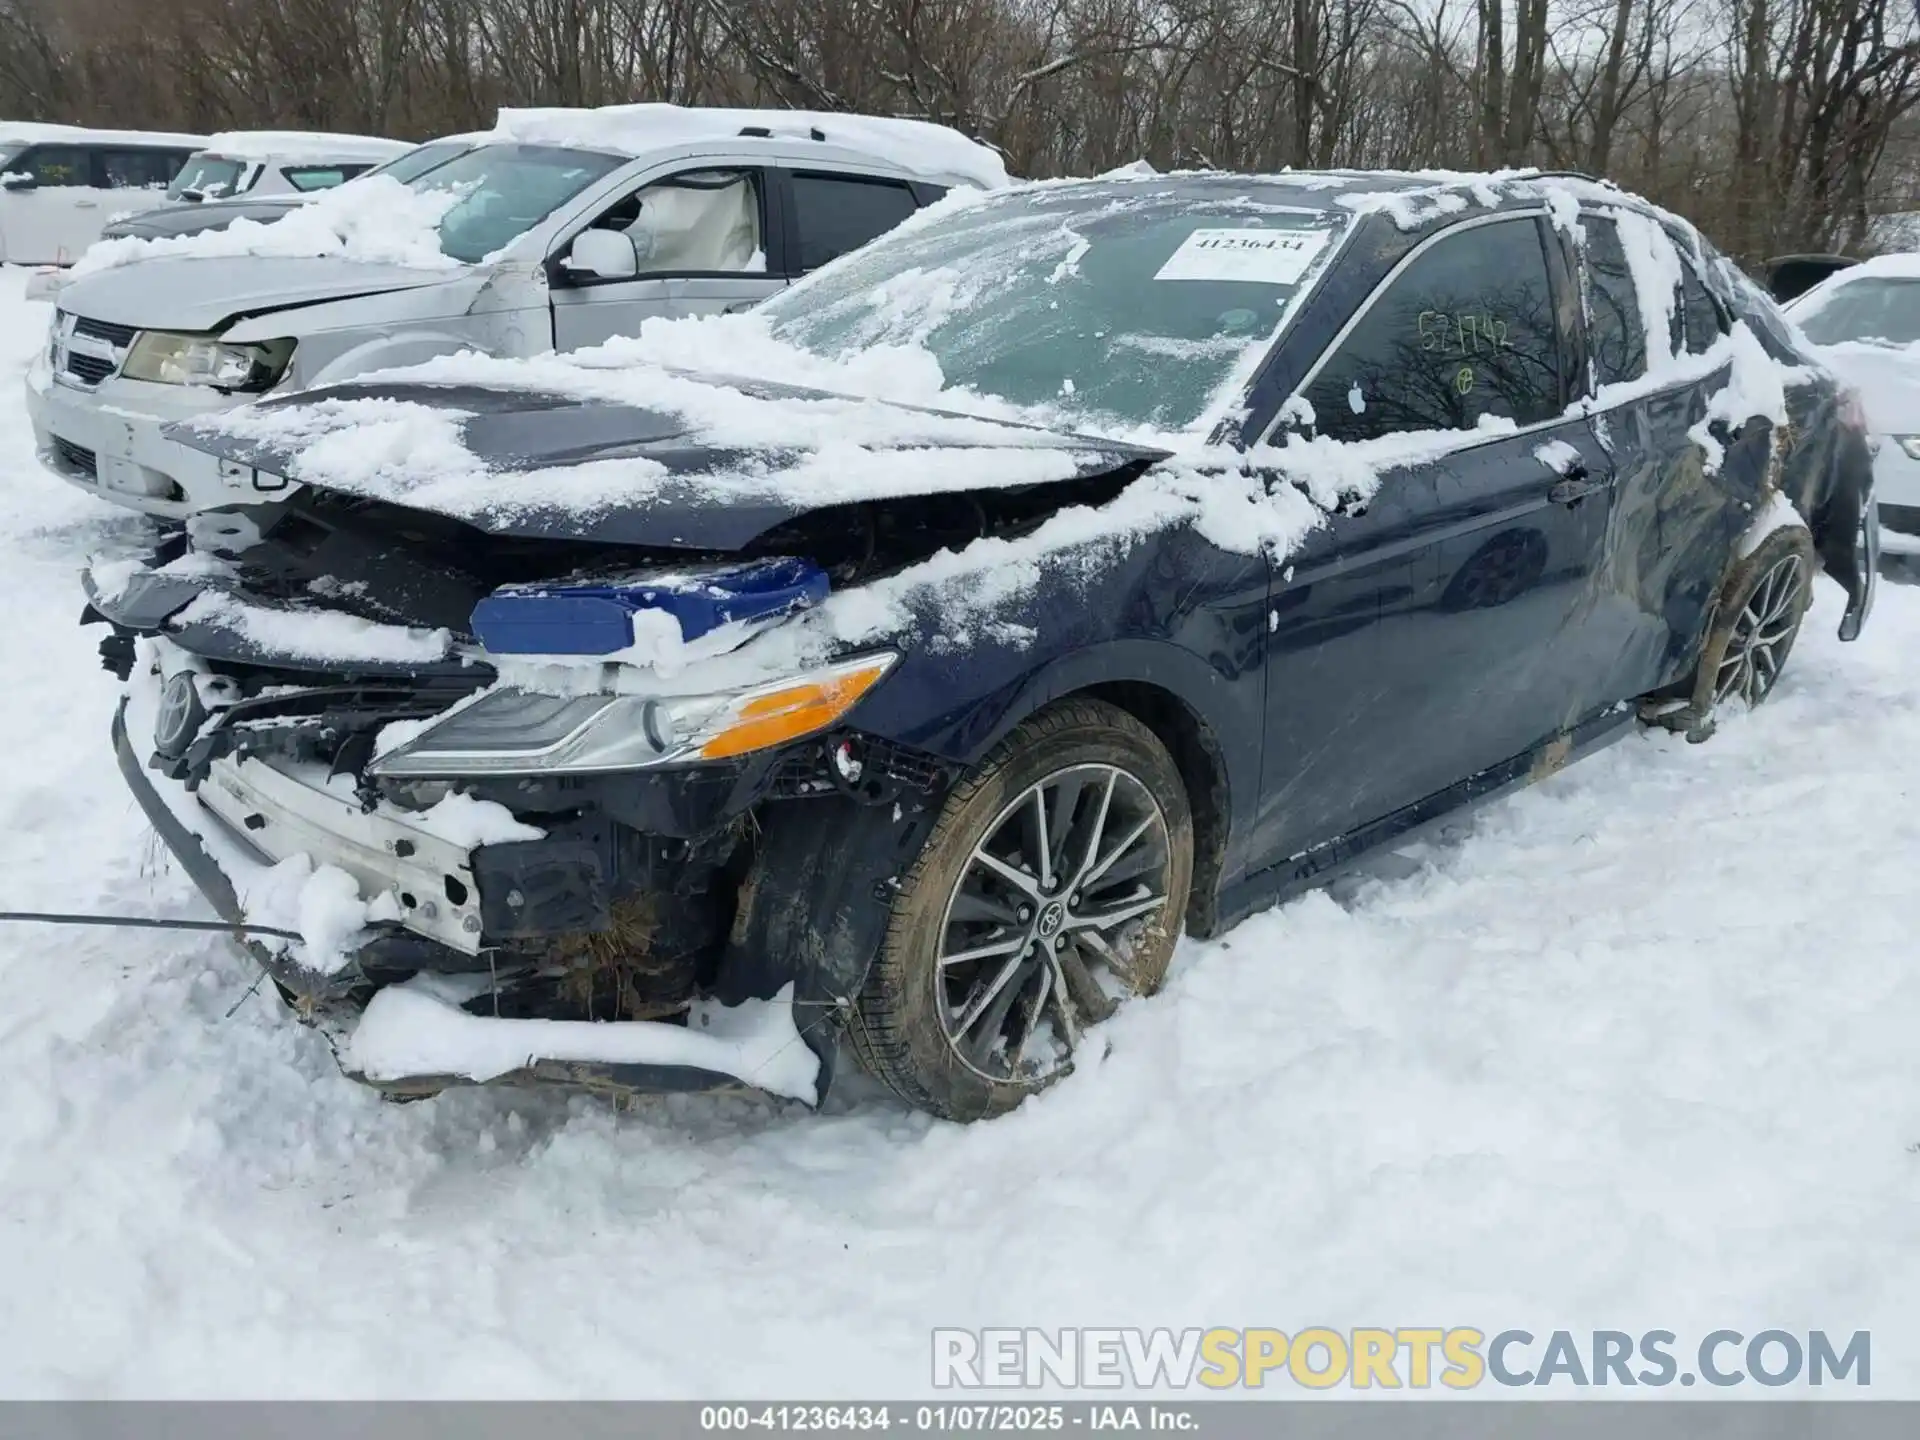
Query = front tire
x=1051 y=888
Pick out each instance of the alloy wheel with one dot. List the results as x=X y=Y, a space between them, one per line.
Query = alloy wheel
x=1042 y=924
x=1761 y=634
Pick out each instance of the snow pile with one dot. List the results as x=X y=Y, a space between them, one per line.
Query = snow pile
x=914 y=145
x=374 y=219
x=409 y=1030
x=319 y=902
x=304 y=145
x=461 y=819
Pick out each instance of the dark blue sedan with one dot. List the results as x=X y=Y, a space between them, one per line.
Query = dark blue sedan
x=623 y=724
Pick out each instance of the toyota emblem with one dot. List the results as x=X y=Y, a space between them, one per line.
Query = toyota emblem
x=180 y=716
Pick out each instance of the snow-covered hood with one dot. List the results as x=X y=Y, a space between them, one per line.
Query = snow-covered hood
x=204 y=294
x=1887 y=379
x=709 y=463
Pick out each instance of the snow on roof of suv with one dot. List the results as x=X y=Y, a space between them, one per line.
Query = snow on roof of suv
x=35 y=132
x=918 y=146
x=305 y=145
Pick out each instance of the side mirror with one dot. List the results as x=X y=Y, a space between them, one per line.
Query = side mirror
x=604 y=255
x=19 y=182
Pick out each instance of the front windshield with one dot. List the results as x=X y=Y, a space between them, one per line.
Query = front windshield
x=411 y=166
x=1134 y=304
x=1881 y=309
x=506 y=190
x=207 y=177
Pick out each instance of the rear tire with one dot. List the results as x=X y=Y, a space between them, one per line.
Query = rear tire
x=1051 y=888
x=1755 y=623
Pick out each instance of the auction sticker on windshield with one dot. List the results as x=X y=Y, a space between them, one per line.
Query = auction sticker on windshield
x=1265 y=257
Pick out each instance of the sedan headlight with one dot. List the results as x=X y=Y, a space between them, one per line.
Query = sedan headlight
x=518 y=732
x=1910 y=444
x=166 y=359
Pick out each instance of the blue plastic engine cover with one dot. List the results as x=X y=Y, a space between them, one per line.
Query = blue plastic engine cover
x=594 y=615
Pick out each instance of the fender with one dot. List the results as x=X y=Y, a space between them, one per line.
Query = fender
x=916 y=706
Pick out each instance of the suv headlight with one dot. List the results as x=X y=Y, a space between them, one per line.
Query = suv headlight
x=1910 y=444
x=519 y=732
x=166 y=359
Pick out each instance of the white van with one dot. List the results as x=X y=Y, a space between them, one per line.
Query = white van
x=60 y=184
x=279 y=162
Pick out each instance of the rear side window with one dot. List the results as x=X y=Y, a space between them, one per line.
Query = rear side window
x=1618 y=337
x=1698 y=312
x=55 y=165
x=140 y=169
x=836 y=213
x=1467 y=330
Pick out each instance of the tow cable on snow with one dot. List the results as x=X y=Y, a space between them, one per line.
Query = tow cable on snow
x=141 y=922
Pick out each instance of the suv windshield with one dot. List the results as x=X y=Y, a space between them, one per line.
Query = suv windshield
x=1864 y=309
x=505 y=190
x=1137 y=303
x=207 y=177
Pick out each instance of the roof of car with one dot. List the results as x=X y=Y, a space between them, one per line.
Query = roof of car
x=34 y=132
x=916 y=147
x=1413 y=200
x=304 y=145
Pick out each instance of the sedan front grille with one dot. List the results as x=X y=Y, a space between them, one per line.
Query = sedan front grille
x=88 y=369
x=76 y=458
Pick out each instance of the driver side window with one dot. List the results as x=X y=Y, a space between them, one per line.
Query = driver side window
x=699 y=222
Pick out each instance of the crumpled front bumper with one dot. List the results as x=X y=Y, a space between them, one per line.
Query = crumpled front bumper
x=414 y=1039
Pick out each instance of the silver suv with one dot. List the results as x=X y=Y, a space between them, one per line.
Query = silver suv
x=571 y=227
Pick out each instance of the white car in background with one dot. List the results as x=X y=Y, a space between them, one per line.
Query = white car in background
x=258 y=175
x=1865 y=323
x=61 y=184
x=560 y=230
x=279 y=162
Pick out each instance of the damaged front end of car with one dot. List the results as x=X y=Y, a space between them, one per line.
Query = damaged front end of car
x=595 y=882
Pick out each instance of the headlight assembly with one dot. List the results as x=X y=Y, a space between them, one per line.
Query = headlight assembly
x=165 y=359
x=1910 y=444
x=518 y=732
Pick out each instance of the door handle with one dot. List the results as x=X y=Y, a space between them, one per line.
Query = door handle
x=86 y=204
x=1574 y=485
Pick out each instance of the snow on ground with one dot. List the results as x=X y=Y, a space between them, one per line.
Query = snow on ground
x=1634 y=1049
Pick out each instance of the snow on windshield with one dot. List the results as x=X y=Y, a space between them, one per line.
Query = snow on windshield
x=1117 y=308
x=1864 y=306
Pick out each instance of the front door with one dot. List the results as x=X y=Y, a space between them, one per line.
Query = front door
x=700 y=239
x=1470 y=574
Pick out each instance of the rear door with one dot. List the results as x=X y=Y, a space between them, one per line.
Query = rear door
x=1677 y=513
x=1447 y=627
x=701 y=242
